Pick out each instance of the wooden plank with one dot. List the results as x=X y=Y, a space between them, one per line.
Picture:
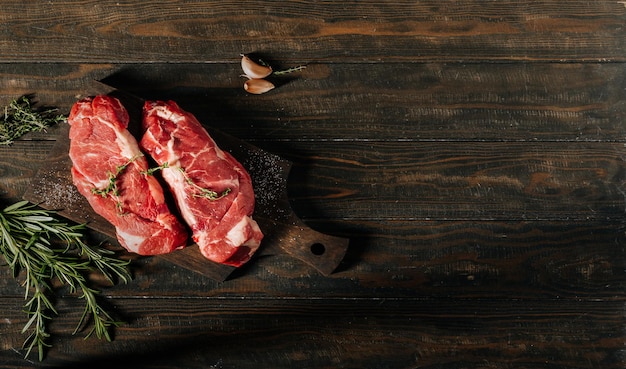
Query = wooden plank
x=456 y=180
x=577 y=261
x=499 y=260
x=347 y=102
x=209 y=31
x=359 y=333
x=18 y=164
x=52 y=84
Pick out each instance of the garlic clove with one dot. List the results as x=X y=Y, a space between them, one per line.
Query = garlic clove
x=258 y=86
x=254 y=70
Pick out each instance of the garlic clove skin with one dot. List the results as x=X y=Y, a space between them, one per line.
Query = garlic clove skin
x=258 y=86
x=254 y=70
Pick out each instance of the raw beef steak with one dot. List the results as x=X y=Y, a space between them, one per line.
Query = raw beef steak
x=213 y=191
x=111 y=172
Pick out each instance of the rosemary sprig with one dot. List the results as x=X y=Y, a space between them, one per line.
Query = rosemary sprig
x=34 y=242
x=201 y=191
x=20 y=118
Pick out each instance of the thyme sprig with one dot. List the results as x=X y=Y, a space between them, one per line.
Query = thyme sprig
x=289 y=70
x=111 y=188
x=204 y=192
x=43 y=248
x=201 y=192
x=151 y=171
x=20 y=118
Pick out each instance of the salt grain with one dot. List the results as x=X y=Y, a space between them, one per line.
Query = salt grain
x=269 y=179
x=57 y=193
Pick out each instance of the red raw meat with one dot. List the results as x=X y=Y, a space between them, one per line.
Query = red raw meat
x=223 y=228
x=110 y=171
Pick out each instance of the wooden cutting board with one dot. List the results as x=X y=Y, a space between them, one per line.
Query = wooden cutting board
x=284 y=232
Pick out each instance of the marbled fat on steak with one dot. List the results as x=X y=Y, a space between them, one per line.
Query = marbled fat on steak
x=212 y=189
x=109 y=170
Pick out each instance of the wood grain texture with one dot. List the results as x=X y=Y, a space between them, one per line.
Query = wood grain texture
x=281 y=333
x=430 y=102
x=18 y=164
x=576 y=261
x=209 y=31
x=401 y=101
x=472 y=151
x=482 y=181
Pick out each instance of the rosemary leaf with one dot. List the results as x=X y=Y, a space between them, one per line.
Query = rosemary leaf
x=43 y=248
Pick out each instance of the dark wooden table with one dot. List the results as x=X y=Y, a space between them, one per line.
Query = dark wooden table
x=473 y=152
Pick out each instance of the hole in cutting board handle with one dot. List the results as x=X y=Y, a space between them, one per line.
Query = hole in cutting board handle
x=318 y=249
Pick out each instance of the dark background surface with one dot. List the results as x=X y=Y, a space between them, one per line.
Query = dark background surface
x=472 y=151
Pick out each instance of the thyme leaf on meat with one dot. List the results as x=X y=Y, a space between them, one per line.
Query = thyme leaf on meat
x=42 y=248
x=20 y=118
x=111 y=187
x=204 y=192
x=201 y=191
x=151 y=171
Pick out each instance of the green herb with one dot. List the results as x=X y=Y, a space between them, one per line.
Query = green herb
x=289 y=70
x=204 y=192
x=34 y=242
x=201 y=192
x=151 y=171
x=20 y=118
x=111 y=187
